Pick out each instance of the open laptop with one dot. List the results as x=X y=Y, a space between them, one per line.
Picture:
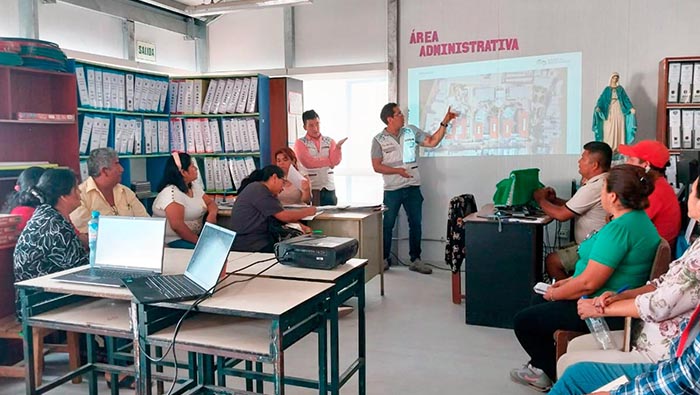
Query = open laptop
x=202 y=273
x=126 y=247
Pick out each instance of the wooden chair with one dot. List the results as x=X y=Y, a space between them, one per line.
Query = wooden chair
x=660 y=266
x=11 y=329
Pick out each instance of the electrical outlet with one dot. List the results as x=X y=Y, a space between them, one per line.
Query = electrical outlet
x=563 y=233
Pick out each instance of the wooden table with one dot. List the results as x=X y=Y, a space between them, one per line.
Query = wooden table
x=283 y=297
x=347 y=281
x=285 y=303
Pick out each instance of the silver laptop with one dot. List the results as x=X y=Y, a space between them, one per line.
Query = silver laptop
x=126 y=247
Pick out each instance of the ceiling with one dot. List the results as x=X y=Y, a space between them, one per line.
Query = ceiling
x=207 y=8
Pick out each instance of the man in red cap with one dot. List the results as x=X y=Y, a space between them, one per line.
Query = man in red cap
x=664 y=210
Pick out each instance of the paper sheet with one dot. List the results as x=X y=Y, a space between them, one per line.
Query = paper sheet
x=295 y=177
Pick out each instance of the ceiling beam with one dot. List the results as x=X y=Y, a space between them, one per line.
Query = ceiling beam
x=224 y=6
x=145 y=13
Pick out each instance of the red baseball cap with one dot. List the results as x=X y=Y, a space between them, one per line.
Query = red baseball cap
x=651 y=151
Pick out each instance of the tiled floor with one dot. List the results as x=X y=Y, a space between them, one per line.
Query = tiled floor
x=417 y=343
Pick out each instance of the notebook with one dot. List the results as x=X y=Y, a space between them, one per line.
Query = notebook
x=207 y=261
x=126 y=247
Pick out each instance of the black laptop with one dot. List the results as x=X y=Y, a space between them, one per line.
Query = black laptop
x=209 y=257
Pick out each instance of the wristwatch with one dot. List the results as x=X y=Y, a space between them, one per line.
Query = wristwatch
x=444 y=124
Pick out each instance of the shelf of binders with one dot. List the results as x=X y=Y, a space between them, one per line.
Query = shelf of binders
x=222 y=121
x=127 y=110
x=678 y=109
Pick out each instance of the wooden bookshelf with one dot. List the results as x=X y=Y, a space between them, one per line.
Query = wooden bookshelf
x=30 y=90
x=664 y=106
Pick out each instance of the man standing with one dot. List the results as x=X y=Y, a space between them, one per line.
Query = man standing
x=102 y=191
x=394 y=152
x=585 y=206
x=319 y=155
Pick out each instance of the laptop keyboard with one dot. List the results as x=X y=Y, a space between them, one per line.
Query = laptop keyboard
x=114 y=274
x=173 y=287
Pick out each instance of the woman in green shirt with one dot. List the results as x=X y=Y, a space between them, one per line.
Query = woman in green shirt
x=619 y=255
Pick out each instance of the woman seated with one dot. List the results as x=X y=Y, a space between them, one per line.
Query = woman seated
x=20 y=201
x=49 y=242
x=662 y=305
x=257 y=210
x=286 y=158
x=183 y=202
x=619 y=255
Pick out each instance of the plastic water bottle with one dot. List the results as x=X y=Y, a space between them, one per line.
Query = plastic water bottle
x=601 y=332
x=92 y=235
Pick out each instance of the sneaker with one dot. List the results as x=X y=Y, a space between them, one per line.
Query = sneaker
x=386 y=265
x=532 y=377
x=420 y=267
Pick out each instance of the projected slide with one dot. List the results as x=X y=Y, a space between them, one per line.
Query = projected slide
x=518 y=106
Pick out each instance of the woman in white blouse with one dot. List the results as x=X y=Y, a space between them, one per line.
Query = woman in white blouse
x=662 y=305
x=183 y=202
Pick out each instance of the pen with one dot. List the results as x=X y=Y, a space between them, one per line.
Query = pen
x=623 y=289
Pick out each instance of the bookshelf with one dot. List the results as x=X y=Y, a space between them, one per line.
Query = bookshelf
x=222 y=120
x=678 y=108
x=54 y=142
x=144 y=131
x=127 y=110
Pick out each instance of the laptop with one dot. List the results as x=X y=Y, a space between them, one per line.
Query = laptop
x=126 y=247
x=202 y=273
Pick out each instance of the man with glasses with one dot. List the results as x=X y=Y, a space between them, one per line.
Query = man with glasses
x=394 y=154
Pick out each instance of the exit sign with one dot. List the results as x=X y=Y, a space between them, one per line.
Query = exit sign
x=145 y=52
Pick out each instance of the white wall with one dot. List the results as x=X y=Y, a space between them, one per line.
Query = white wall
x=336 y=32
x=247 y=40
x=81 y=29
x=629 y=36
x=327 y=33
x=172 y=50
x=9 y=18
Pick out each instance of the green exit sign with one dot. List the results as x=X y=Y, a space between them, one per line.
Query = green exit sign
x=145 y=52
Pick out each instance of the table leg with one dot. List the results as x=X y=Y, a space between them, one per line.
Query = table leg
x=278 y=357
x=28 y=346
x=141 y=364
x=334 y=345
x=323 y=358
x=91 y=360
x=113 y=377
x=361 y=332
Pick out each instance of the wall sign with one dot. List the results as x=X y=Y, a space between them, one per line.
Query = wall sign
x=430 y=44
x=145 y=52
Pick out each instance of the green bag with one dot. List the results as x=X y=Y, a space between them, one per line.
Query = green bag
x=517 y=189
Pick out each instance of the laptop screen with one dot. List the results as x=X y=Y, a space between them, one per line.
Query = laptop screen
x=130 y=243
x=210 y=255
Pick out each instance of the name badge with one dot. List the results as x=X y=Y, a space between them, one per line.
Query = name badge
x=409 y=146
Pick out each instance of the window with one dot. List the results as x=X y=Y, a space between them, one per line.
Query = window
x=349 y=106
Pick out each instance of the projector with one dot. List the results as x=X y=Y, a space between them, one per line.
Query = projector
x=316 y=251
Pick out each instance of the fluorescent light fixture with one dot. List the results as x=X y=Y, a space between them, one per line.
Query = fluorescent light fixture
x=223 y=6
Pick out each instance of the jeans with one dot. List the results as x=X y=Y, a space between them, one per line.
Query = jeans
x=324 y=197
x=412 y=201
x=586 y=377
x=535 y=326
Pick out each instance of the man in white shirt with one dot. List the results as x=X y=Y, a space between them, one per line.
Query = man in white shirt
x=584 y=206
